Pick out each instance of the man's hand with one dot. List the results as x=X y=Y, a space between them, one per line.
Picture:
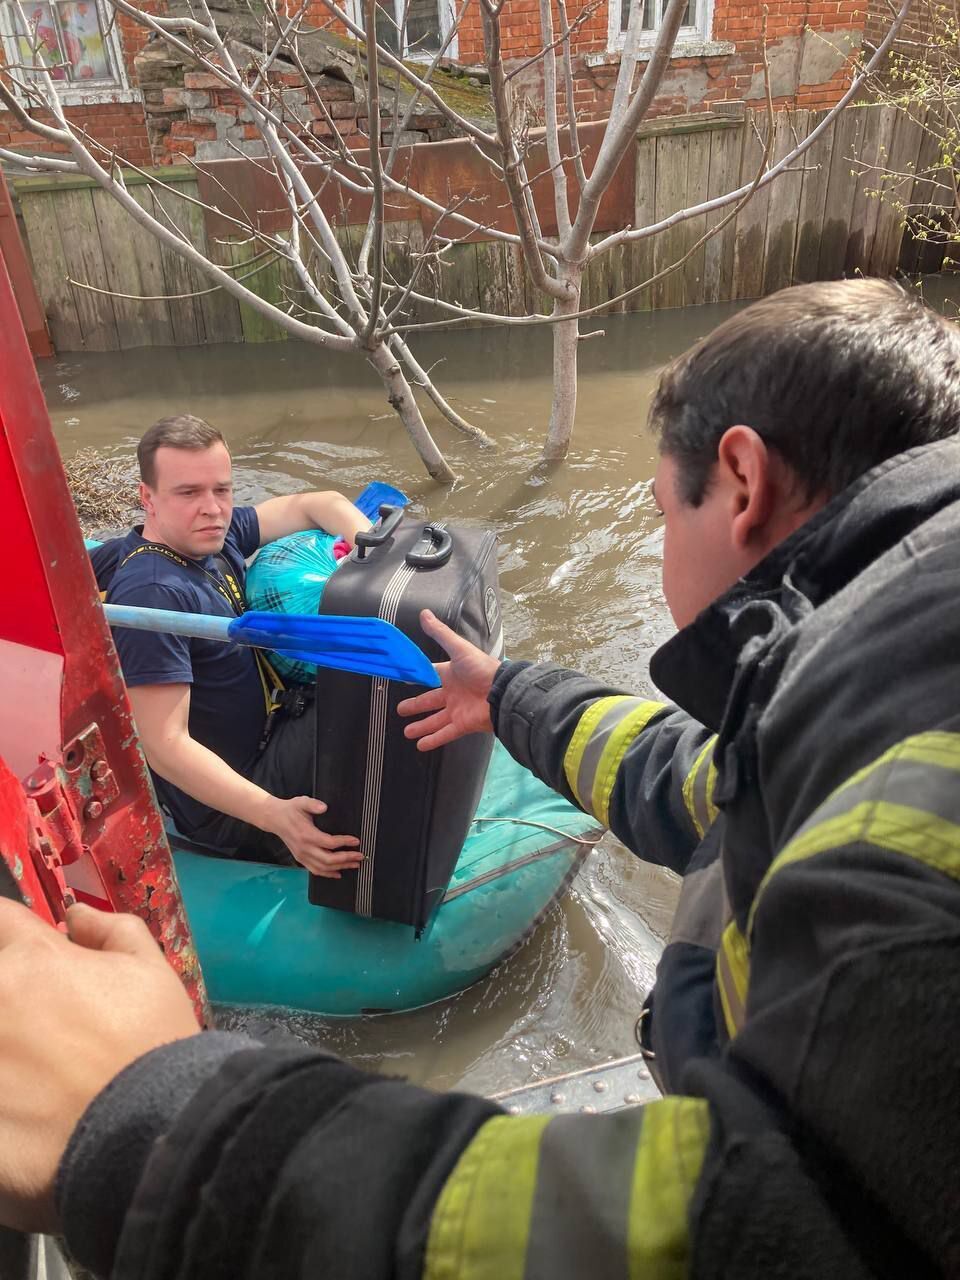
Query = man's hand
x=74 y=1014
x=459 y=706
x=322 y=854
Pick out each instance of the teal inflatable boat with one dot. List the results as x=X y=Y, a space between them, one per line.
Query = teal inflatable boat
x=262 y=943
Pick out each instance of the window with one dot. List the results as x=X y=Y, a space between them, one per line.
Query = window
x=73 y=39
x=413 y=28
x=695 y=27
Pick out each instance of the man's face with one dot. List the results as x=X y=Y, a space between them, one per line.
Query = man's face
x=700 y=558
x=190 y=506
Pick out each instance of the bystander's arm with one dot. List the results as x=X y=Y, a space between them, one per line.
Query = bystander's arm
x=319 y=509
x=162 y=714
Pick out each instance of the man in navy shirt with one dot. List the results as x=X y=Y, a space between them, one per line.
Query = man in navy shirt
x=202 y=707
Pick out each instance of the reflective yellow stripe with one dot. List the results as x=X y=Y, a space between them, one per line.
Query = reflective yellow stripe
x=702 y=812
x=578 y=743
x=712 y=811
x=481 y=1222
x=924 y=770
x=600 y=740
x=936 y=747
x=530 y=1196
x=632 y=724
x=733 y=977
x=673 y=1140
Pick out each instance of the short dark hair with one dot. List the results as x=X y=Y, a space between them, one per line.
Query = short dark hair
x=181 y=432
x=837 y=377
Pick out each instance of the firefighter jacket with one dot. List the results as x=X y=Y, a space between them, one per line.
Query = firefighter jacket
x=811 y=787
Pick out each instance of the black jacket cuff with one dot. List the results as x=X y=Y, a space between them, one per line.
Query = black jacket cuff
x=106 y=1155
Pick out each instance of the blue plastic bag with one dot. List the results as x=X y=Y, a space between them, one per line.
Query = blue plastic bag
x=288 y=576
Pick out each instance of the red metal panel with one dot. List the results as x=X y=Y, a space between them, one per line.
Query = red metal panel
x=95 y=803
x=446 y=171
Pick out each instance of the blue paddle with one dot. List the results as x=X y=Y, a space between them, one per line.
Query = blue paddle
x=368 y=646
x=369 y=500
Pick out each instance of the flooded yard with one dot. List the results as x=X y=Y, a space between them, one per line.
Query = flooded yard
x=579 y=568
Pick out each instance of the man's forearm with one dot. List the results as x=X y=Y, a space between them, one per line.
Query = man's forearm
x=202 y=774
x=336 y=514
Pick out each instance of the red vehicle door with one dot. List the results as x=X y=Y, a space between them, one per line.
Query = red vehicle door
x=78 y=818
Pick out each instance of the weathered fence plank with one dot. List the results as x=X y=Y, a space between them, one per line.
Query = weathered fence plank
x=902 y=160
x=698 y=185
x=180 y=278
x=862 y=222
x=671 y=196
x=923 y=252
x=841 y=188
x=515 y=276
x=84 y=256
x=132 y=263
x=813 y=199
x=50 y=270
x=752 y=219
x=492 y=277
x=645 y=205
x=725 y=148
x=781 y=238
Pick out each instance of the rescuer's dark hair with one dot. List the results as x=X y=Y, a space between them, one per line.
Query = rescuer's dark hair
x=182 y=432
x=837 y=377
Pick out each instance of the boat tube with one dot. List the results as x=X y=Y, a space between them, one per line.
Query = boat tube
x=261 y=942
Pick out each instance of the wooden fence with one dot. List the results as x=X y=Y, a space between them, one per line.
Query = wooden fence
x=818 y=221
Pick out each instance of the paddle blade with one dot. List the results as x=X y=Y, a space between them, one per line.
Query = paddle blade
x=368 y=646
x=374 y=494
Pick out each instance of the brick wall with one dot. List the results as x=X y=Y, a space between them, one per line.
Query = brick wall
x=926 y=18
x=117 y=126
x=811 y=45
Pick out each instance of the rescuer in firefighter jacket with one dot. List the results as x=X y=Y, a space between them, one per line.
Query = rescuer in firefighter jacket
x=809 y=792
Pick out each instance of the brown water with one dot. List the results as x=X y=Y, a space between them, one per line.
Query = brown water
x=579 y=566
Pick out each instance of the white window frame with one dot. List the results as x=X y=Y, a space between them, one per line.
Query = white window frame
x=697 y=35
x=86 y=92
x=447 y=16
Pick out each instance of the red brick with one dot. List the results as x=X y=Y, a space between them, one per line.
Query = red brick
x=191 y=129
x=201 y=80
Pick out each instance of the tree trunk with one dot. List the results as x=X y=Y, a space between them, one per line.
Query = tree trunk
x=423 y=379
x=401 y=398
x=563 y=409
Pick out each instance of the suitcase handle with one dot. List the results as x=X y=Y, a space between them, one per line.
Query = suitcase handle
x=390 y=517
x=439 y=545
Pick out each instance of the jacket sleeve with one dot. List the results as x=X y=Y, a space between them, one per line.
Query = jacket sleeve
x=822 y=1143
x=641 y=767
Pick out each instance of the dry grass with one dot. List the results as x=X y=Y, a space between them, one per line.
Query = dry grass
x=104 y=491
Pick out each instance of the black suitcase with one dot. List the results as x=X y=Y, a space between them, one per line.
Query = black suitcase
x=410 y=809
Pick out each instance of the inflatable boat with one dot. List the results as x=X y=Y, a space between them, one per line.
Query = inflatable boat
x=261 y=942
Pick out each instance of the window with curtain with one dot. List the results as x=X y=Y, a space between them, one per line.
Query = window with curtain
x=70 y=38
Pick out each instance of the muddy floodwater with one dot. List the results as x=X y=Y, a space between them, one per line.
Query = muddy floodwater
x=579 y=566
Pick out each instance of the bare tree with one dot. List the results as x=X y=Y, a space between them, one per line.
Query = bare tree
x=355 y=305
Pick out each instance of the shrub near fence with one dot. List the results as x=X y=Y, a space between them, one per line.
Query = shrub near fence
x=817 y=222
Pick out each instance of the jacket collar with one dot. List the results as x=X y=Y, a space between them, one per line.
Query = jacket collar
x=696 y=668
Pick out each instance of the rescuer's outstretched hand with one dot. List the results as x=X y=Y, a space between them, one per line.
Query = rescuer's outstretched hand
x=75 y=1013
x=460 y=705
